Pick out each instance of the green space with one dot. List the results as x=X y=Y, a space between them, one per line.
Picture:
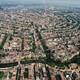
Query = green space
x=26 y=61
x=45 y=47
x=57 y=64
x=33 y=43
x=75 y=59
x=18 y=73
x=26 y=73
x=1 y=75
x=48 y=73
x=44 y=61
x=4 y=65
x=33 y=47
x=3 y=41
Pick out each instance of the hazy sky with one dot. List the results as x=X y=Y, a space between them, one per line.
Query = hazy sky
x=68 y=2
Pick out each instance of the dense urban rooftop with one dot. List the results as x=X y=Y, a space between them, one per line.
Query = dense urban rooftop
x=39 y=44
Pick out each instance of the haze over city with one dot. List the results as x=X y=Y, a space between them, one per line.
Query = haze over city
x=57 y=2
